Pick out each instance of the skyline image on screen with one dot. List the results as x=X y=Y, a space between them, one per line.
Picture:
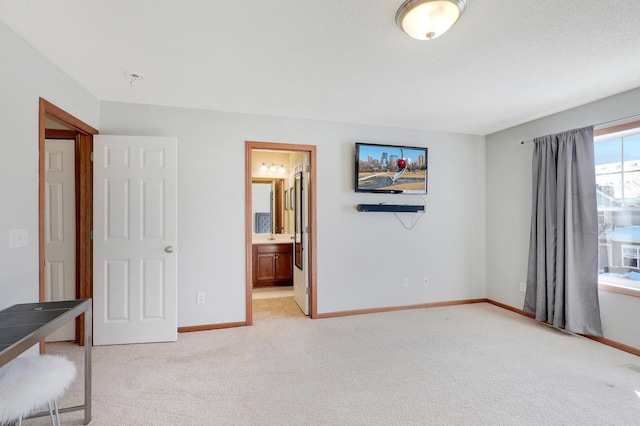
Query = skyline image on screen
x=391 y=169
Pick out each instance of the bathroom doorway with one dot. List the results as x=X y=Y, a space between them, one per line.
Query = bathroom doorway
x=55 y=123
x=280 y=231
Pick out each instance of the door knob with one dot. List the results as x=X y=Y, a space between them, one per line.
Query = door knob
x=168 y=249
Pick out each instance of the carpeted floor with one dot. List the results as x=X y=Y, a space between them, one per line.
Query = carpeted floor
x=460 y=365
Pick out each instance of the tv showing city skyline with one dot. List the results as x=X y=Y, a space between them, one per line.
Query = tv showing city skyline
x=390 y=169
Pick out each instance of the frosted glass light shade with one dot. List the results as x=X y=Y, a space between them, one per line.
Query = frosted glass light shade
x=428 y=19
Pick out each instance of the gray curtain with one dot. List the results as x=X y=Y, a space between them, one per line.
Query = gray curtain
x=562 y=279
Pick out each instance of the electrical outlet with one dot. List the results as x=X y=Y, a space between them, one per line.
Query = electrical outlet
x=425 y=282
x=199 y=298
x=405 y=282
x=523 y=287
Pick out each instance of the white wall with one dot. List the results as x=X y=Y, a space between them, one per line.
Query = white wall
x=26 y=75
x=509 y=209
x=362 y=257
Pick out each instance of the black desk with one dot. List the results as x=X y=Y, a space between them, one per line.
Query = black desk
x=24 y=325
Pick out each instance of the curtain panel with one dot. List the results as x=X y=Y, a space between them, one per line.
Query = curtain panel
x=562 y=277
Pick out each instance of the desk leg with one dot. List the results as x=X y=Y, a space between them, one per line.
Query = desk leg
x=88 y=342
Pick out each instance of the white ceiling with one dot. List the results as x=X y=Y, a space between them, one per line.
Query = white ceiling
x=504 y=63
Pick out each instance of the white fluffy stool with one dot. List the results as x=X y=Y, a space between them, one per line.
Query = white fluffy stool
x=30 y=382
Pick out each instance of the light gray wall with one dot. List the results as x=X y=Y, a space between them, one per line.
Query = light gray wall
x=25 y=75
x=509 y=209
x=362 y=257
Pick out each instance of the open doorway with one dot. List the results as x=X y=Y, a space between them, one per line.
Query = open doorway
x=272 y=261
x=54 y=123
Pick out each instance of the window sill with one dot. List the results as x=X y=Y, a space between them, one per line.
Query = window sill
x=614 y=288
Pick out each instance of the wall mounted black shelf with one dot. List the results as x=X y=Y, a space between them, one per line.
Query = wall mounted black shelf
x=398 y=208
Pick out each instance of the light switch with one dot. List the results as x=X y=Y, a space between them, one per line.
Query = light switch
x=18 y=238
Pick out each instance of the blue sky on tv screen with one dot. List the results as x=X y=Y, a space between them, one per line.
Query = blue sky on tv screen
x=376 y=152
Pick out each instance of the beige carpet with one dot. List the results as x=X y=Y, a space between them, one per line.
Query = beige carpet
x=462 y=365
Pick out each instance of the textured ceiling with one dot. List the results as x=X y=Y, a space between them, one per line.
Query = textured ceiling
x=504 y=63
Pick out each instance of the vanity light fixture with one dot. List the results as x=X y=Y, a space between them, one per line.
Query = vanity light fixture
x=281 y=169
x=428 y=19
x=263 y=167
x=272 y=168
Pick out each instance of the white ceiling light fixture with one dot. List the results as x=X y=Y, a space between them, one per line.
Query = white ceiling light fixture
x=428 y=19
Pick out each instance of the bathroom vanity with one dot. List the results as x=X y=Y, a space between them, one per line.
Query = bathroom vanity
x=272 y=263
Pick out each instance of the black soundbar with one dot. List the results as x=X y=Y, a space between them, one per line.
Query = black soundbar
x=400 y=208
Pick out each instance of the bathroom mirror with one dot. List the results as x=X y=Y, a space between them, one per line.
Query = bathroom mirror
x=267 y=200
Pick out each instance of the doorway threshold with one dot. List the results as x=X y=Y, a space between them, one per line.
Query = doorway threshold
x=272 y=292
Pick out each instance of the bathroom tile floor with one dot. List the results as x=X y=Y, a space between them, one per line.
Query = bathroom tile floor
x=280 y=307
x=272 y=292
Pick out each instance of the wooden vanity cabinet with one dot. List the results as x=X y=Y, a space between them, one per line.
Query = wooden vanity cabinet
x=272 y=264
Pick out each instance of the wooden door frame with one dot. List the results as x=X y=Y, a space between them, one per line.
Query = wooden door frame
x=83 y=135
x=275 y=146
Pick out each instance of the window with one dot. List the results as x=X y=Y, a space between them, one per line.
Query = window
x=630 y=256
x=617 y=164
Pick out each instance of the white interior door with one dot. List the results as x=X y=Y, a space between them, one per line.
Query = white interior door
x=60 y=228
x=135 y=235
x=301 y=276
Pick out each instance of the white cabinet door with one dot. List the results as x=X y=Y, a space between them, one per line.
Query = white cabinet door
x=134 y=239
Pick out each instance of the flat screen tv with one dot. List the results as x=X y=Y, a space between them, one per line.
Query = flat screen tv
x=390 y=169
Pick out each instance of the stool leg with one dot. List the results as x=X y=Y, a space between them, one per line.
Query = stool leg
x=51 y=414
x=55 y=404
